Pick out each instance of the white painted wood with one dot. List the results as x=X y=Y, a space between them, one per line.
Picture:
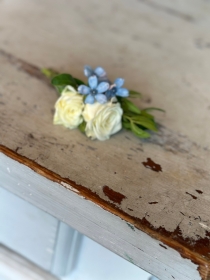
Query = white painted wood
x=67 y=250
x=99 y=263
x=15 y=267
x=73 y=258
x=26 y=229
x=36 y=235
x=93 y=221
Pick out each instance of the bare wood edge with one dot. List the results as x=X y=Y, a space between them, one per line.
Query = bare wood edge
x=141 y=224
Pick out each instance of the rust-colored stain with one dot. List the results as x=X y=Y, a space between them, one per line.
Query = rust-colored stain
x=112 y=195
x=152 y=165
x=198 y=191
x=193 y=196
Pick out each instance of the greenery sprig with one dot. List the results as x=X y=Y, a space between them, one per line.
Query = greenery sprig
x=139 y=121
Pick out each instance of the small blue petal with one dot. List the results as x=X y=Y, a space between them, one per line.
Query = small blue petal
x=102 y=87
x=101 y=98
x=83 y=89
x=123 y=92
x=100 y=72
x=109 y=94
x=88 y=71
x=89 y=99
x=119 y=82
x=93 y=81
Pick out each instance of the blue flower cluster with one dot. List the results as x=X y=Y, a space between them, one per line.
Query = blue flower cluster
x=99 y=87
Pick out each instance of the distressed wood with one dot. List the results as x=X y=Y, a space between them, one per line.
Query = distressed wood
x=163 y=50
x=113 y=230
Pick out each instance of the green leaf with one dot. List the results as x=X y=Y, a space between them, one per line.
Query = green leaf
x=147 y=115
x=126 y=125
x=139 y=132
x=64 y=80
x=145 y=122
x=128 y=106
x=82 y=126
x=60 y=88
x=133 y=94
x=153 y=109
x=79 y=82
x=49 y=73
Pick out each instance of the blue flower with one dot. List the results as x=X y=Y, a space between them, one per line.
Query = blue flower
x=94 y=91
x=117 y=90
x=98 y=71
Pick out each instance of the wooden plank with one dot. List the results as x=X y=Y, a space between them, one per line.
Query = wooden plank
x=15 y=267
x=99 y=221
x=161 y=49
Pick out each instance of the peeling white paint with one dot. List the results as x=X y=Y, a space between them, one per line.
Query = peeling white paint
x=69 y=187
x=204 y=226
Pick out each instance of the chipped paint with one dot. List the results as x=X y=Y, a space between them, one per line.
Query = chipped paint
x=69 y=187
x=152 y=165
x=113 y=195
x=173 y=240
x=193 y=196
x=204 y=226
x=199 y=191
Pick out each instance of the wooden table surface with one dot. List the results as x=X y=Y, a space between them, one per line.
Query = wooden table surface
x=160 y=221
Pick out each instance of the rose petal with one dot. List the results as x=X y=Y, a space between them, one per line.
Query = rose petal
x=102 y=87
x=83 y=89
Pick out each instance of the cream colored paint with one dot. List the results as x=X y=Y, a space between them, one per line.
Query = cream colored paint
x=161 y=49
x=26 y=116
x=158 y=52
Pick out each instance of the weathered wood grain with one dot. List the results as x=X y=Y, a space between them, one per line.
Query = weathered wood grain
x=161 y=49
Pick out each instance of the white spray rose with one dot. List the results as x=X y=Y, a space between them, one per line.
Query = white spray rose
x=68 y=108
x=102 y=120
